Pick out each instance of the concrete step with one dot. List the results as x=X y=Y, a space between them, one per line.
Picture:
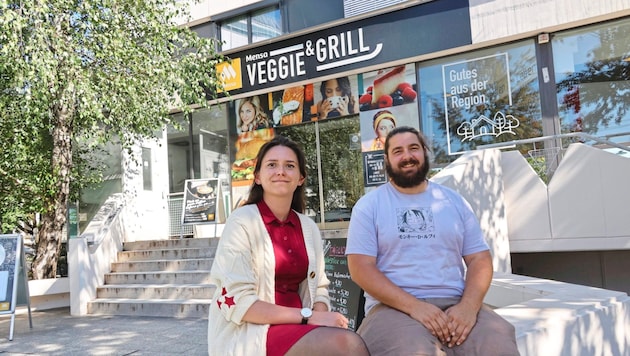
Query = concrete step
x=178 y=277
x=171 y=244
x=156 y=291
x=191 y=264
x=173 y=308
x=164 y=278
x=170 y=254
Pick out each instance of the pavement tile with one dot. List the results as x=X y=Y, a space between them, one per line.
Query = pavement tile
x=56 y=332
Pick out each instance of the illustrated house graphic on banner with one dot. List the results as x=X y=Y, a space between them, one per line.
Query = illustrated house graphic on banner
x=483 y=126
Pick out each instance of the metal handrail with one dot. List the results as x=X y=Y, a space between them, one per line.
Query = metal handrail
x=558 y=136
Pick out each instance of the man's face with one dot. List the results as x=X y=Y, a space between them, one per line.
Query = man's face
x=406 y=160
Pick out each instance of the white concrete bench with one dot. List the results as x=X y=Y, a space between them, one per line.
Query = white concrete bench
x=556 y=318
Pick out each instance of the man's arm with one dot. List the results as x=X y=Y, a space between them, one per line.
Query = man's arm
x=463 y=316
x=364 y=272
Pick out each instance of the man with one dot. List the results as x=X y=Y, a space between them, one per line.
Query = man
x=406 y=243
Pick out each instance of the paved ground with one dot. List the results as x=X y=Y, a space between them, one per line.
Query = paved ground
x=56 y=332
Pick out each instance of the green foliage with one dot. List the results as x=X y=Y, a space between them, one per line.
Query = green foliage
x=78 y=73
x=341 y=163
x=539 y=164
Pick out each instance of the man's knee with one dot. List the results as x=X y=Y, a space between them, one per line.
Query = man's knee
x=390 y=332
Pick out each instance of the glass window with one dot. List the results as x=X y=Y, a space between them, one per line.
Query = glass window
x=340 y=174
x=252 y=27
x=109 y=157
x=210 y=143
x=329 y=135
x=266 y=24
x=592 y=68
x=478 y=98
x=179 y=166
x=147 y=180
x=234 y=33
x=205 y=156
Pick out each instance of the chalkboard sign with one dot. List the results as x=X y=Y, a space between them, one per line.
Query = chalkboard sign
x=200 y=201
x=13 y=282
x=346 y=297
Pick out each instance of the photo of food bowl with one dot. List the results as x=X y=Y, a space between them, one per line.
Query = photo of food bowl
x=200 y=200
x=203 y=191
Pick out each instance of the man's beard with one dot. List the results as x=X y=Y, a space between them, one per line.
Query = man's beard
x=411 y=179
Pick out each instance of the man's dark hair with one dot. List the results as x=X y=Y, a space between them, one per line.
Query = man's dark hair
x=403 y=129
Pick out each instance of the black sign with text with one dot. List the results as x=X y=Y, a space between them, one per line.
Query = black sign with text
x=346 y=297
x=404 y=33
x=374 y=168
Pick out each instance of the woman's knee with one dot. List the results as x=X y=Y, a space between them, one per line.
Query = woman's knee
x=330 y=341
x=350 y=341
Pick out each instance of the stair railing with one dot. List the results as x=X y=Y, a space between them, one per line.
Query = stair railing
x=553 y=154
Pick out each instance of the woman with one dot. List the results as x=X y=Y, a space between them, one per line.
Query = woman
x=272 y=296
x=337 y=99
x=383 y=122
x=251 y=115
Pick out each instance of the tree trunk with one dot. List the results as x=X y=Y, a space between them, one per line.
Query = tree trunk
x=54 y=219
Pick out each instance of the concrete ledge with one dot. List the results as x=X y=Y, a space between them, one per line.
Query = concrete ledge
x=556 y=318
x=49 y=293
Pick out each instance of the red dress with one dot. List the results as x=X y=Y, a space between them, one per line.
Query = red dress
x=291 y=269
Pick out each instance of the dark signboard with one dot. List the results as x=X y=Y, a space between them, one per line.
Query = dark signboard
x=388 y=37
x=346 y=297
x=374 y=168
x=200 y=201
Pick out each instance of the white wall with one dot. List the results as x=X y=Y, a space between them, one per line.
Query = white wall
x=206 y=8
x=584 y=207
x=478 y=176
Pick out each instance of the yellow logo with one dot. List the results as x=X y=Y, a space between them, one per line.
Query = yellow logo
x=231 y=74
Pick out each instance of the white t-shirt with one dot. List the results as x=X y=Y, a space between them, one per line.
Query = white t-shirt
x=418 y=239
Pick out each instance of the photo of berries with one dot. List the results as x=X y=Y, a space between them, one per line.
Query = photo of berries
x=390 y=87
x=388 y=99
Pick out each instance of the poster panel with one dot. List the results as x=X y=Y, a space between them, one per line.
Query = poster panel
x=388 y=100
x=200 y=201
x=10 y=271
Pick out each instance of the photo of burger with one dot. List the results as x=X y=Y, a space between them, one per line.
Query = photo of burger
x=247 y=147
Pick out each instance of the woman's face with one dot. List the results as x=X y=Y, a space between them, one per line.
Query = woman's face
x=333 y=88
x=279 y=172
x=383 y=128
x=247 y=113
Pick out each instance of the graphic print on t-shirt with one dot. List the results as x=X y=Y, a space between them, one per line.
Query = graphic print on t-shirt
x=415 y=223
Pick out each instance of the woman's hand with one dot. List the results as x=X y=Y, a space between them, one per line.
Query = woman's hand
x=323 y=108
x=343 y=106
x=325 y=318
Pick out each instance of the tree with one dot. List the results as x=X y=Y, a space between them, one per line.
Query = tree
x=81 y=72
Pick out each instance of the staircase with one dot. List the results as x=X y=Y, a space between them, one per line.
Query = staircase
x=164 y=278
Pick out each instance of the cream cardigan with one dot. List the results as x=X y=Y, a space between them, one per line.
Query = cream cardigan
x=244 y=271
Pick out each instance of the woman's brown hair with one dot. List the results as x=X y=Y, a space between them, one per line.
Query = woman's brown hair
x=256 y=191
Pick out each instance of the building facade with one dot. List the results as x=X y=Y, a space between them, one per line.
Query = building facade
x=533 y=76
